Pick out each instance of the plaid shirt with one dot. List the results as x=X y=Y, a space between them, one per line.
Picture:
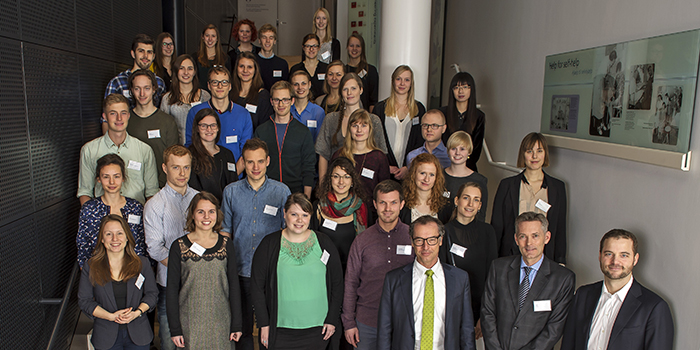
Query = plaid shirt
x=120 y=83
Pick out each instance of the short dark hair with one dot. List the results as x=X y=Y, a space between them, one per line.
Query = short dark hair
x=620 y=233
x=142 y=39
x=528 y=142
x=529 y=216
x=299 y=198
x=109 y=159
x=204 y=195
x=425 y=220
x=255 y=144
x=388 y=186
x=143 y=72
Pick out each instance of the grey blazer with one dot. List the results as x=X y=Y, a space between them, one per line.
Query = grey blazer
x=507 y=328
x=104 y=333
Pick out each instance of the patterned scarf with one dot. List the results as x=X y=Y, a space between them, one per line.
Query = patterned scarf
x=350 y=205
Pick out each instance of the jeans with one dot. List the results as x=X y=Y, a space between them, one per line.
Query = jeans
x=164 y=330
x=124 y=342
x=368 y=337
x=247 y=340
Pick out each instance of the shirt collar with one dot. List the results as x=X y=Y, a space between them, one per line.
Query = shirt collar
x=267 y=58
x=536 y=266
x=108 y=140
x=524 y=179
x=247 y=184
x=440 y=146
x=171 y=191
x=437 y=268
x=620 y=294
x=381 y=229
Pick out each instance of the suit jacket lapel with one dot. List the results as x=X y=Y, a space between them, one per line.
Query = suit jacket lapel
x=450 y=292
x=406 y=291
x=109 y=290
x=538 y=284
x=589 y=307
x=627 y=310
x=514 y=283
x=551 y=191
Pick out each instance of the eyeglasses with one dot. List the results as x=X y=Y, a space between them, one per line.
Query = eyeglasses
x=223 y=83
x=431 y=241
x=431 y=126
x=167 y=44
x=208 y=126
x=461 y=87
x=283 y=100
x=338 y=177
x=311 y=46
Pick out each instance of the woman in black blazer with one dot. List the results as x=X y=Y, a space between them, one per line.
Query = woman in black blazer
x=117 y=298
x=545 y=195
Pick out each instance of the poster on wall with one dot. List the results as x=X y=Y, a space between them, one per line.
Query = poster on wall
x=629 y=93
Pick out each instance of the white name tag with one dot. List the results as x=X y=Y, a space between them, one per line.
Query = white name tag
x=321 y=76
x=276 y=73
x=134 y=165
x=251 y=108
x=362 y=73
x=310 y=123
x=197 y=249
x=126 y=93
x=139 y=281
x=134 y=219
x=542 y=205
x=368 y=173
x=416 y=121
x=325 y=256
x=154 y=134
x=325 y=55
x=403 y=249
x=270 y=210
x=330 y=224
x=231 y=166
x=232 y=139
x=195 y=103
x=446 y=194
x=458 y=250
x=542 y=305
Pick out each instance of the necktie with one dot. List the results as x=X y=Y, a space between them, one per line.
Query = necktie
x=524 y=286
x=426 y=333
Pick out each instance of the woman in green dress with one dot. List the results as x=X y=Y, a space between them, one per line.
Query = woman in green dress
x=297 y=283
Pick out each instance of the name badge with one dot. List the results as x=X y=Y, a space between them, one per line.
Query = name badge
x=368 y=173
x=195 y=103
x=330 y=224
x=231 y=166
x=134 y=165
x=270 y=210
x=446 y=194
x=362 y=73
x=139 y=281
x=276 y=73
x=251 y=108
x=126 y=93
x=321 y=76
x=458 y=250
x=232 y=139
x=154 y=134
x=542 y=305
x=325 y=256
x=416 y=120
x=325 y=55
x=134 y=219
x=403 y=249
x=310 y=123
x=542 y=205
x=197 y=249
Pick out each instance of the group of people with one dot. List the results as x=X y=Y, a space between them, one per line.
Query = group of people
x=294 y=201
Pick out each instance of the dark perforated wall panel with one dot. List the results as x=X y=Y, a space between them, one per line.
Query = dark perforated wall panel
x=94 y=35
x=50 y=23
x=151 y=17
x=93 y=75
x=9 y=19
x=125 y=26
x=15 y=176
x=54 y=247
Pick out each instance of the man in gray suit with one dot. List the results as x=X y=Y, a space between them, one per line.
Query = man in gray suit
x=527 y=297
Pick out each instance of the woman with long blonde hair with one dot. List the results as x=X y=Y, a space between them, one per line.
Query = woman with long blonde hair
x=329 y=46
x=424 y=190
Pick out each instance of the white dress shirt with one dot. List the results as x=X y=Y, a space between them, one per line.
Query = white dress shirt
x=398 y=131
x=440 y=294
x=605 y=314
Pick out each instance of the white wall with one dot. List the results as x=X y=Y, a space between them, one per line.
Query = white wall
x=503 y=44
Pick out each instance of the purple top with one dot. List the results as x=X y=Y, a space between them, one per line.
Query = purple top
x=372 y=255
x=372 y=168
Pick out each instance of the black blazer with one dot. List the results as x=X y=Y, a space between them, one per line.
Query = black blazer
x=263 y=282
x=415 y=138
x=644 y=321
x=504 y=326
x=395 y=326
x=477 y=135
x=505 y=210
x=104 y=332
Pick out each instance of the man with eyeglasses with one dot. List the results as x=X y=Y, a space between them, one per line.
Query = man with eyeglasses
x=236 y=124
x=292 y=154
x=432 y=127
x=426 y=304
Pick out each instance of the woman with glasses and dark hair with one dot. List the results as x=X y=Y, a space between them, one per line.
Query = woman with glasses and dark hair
x=203 y=294
x=210 y=55
x=309 y=63
x=461 y=114
x=162 y=64
x=184 y=93
x=357 y=63
x=248 y=89
x=297 y=283
x=213 y=167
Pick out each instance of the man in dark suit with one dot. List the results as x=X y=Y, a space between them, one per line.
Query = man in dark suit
x=618 y=312
x=527 y=296
x=426 y=303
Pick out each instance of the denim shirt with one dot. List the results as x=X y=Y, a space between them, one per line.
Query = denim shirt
x=250 y=215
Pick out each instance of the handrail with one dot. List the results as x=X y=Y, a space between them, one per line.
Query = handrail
x=501 y=165
x=64 y=304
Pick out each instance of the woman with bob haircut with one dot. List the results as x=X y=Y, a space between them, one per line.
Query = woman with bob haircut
x=424 y=190
x=459 y=148
x=297 y=283
x=400 y=117
x=531 y=190
x=203 y=297
x=210 y=55
x=329 y=46
x=245 y=33
x=116 y=288
x=461 y=114
x=184 y=93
